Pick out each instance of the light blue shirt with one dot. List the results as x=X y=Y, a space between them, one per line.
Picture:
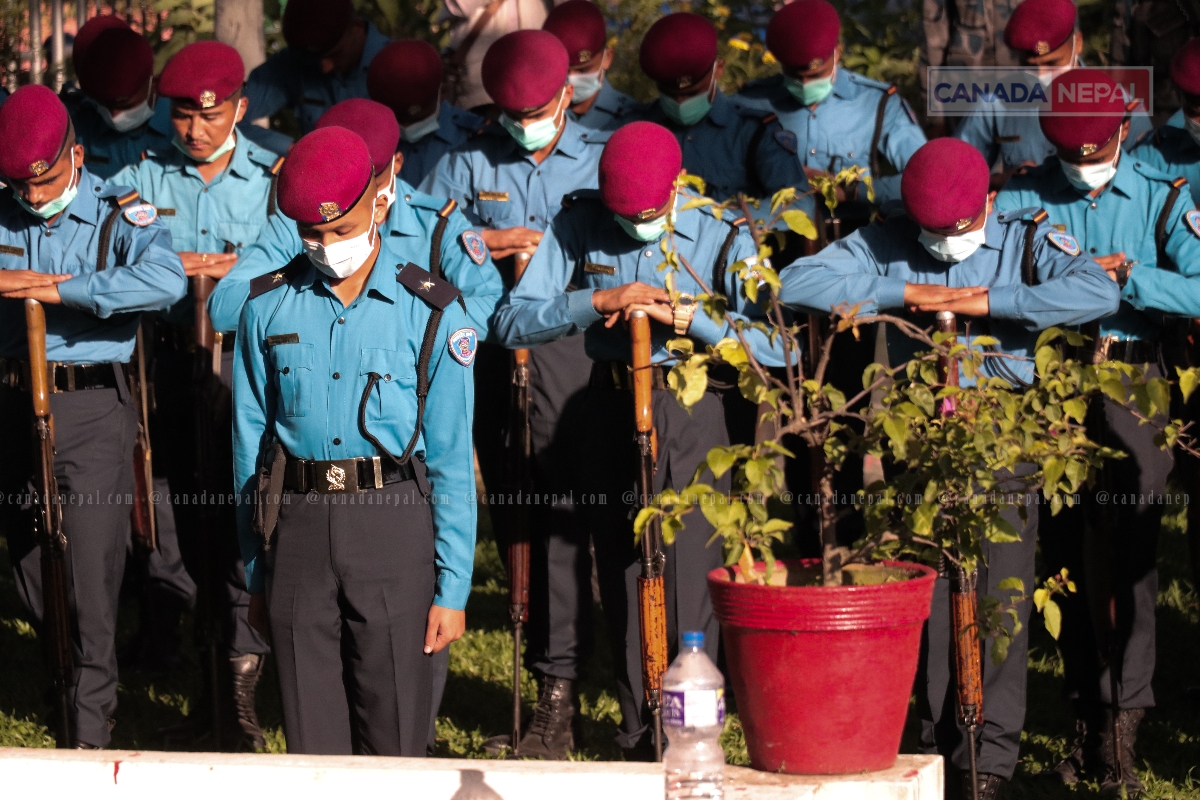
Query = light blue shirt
x=293 y=79
x=455 y=126
x=1122 y=218
x=837 y=133
x=586 y=248
x=290 y=391
x=98 y=319
x=611 y=110
x=871 y=267
x=1173 y=151
x=408 y=231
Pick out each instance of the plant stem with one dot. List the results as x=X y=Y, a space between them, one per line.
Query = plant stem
x=831 y=556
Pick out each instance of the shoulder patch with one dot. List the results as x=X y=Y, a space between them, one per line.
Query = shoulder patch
x=473 y=243
x=435 y=291
x=1065 y=242
x=787 y=140
x=141 y=214
x=1192 y=218
x=463 y=343
x=276 y=278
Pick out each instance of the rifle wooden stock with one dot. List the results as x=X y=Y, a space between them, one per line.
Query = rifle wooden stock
x=947 y=322
x=652 y=607
x=56 y=610
x=207 y=339
x=968 y=662
x=142 y=520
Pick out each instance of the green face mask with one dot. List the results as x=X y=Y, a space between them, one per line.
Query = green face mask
x=229 y=143
x=650 y=231
x=55 y=206
x=690 y=111
x=535 y=135
x=810 y=93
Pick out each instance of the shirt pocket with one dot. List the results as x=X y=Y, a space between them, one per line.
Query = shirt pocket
x=499 y=214
x=240 y=234
x=293 y=364
x=394 y=396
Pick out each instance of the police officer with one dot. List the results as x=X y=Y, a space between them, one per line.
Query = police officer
x=406 y=77
x=353 y=391
x=1175 y=147
x=213 y=189
x=732 y=148
x=946 y=252
x=113 y=110
x=832 y=118
x=608 y=246
x=511 y=179
x=1142 y=227
x=325 y=61
x=596 y=105
x=53 y=219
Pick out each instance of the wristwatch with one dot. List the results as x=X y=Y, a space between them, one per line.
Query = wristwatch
x=684 y=309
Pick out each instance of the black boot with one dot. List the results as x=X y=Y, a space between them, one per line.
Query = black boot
x=246 y=671
x=988 y=785
x=1085 y=759
x=551 y=732
x=1120 y=770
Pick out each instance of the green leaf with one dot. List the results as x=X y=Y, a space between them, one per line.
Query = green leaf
x=1047 y=336
x=1076 y=409
x=643 y=519
x=922 y=518
x=1000 y=649
x=696 y=203
x=1052 y=469
x=1052 y=615
x=1012 y=584
x=1188 y=379
x=721 y=460
x=800 y=223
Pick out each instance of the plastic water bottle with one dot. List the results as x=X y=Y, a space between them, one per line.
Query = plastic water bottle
x=693 y=717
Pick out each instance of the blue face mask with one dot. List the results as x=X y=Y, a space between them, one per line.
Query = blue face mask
x=57 y=205
x=810 y=93
x=535 y=135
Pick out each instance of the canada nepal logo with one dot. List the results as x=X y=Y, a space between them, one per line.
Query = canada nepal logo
x=1004 y=91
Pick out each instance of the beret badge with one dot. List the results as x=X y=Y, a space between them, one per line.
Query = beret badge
x=647 y=214
x=413 y=109
x=38 y=167
x=1087 y=149
x=963 y=224
x=585 y=56
x=1042 y=48
x=208 y=98
x=329 y=211
x=684 y=82
x=816 y=63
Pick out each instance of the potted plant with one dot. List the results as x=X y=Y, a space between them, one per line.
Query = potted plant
x=822 y=653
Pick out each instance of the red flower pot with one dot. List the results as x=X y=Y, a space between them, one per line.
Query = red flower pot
x=823 y=675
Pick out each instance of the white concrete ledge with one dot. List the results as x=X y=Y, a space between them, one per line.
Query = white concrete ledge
x=154 y=775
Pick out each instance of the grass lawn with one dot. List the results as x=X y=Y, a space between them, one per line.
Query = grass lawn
x=478 y=696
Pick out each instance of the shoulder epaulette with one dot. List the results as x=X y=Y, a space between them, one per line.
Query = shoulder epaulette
x=769 y=118
x=280 y=277
x=127 y=198
x=863 y=80
x=1156 y=174
x=435 y=291
x=145 y=154
x=448 y=209
x=892 y=89
x=1033 y=214
x=1179 y=182
x=570 y=198
x=1131 y=105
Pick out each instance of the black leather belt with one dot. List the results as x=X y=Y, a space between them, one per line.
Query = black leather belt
x=1133 y=351
x=343 y=475
x=619 y=375
x=67 y=377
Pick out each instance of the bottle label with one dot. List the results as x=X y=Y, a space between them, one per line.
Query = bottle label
x=697 y=708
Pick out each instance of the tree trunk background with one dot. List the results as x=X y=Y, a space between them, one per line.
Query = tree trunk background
x=239 y=24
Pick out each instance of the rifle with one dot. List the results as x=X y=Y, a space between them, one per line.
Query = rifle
x=652 y=603
x=142 y=519
x=47 y=527
x=518 y=547
x=964 y=604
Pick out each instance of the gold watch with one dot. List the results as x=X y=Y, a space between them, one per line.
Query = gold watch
x=683 y=310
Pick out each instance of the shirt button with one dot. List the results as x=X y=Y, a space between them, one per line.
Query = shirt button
x=204 y=230
x=812 y=152
x=1091 y=249
x=341 y=320
x=286 y=370
x=337 y=375
x=649 y=254
x=408 y=197
x=532 y=218
x=387 y=377
x=336 y=440
x=205 y=190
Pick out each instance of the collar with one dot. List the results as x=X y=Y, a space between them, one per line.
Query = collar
x=239 y=164
x=842 y=86
x=687 y=223
x=161 y=121
x=1125 y=181
x=402 y=219
x=86 y=207
x=570 y=143
x=382 y=282
x=993 y=232
x=609 y=99
x=722 y=112
x=446 y=123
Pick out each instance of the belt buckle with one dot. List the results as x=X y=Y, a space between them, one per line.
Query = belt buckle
x=336 y=476
x=1103 y=345
x=377 y=468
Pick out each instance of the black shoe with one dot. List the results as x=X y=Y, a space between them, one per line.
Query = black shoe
x=988 y=786
x=1084 y=760
x=1120 y=769
x=78 y=745
x=551 y=731
x=246 y=671
x=643 y=751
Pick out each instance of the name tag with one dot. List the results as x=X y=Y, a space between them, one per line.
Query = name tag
x=1008 y=139
x=283 y=338
x=9 y=250
x=1058 y=226
x=498 y=197
x=599 y=269
x=166 y=212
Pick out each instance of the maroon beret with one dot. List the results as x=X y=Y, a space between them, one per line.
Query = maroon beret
x=88 y=33
x=638 y=168
x=1086 y=108
x=405 y=76
x=206 y=73
x=679 y=50
x=804 y=34
x=117 y=64
x=523 y=70
x=579 y=25
x=1040 y=26
x=325 y=174
x=316 y=25
x=33 y=130
x=374 y=123
x=1185 y=67
x=945 y=184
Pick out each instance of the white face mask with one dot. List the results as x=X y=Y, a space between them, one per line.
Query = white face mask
x=1089 y=177
x=416 y=131
x=1193 y=128
x=953 y=248
x=587 y=85
x=341 y=259
x=389 y=192
x=127 y=119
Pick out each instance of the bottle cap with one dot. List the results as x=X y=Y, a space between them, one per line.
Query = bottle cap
x=693 y=638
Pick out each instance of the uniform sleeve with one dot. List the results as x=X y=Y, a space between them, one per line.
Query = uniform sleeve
x=706 y=330
x=270 y=86
x=1139 y=124
x=901 y=137
x=253 y=417
x=846 y=272
x=449 y=461
x=128 y=176
x=144 y=274
x=276 y=246
x=1174 y=288
x=452 y=177
x=976 y=130
x=539 y=309
x=1072 y=290
x=480 y=284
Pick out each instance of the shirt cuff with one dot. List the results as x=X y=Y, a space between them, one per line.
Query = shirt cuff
x=1002 y=302
x=890 y=293
x=75 y=294
x=704 y=329
x=579 y=306
x=452 y=591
